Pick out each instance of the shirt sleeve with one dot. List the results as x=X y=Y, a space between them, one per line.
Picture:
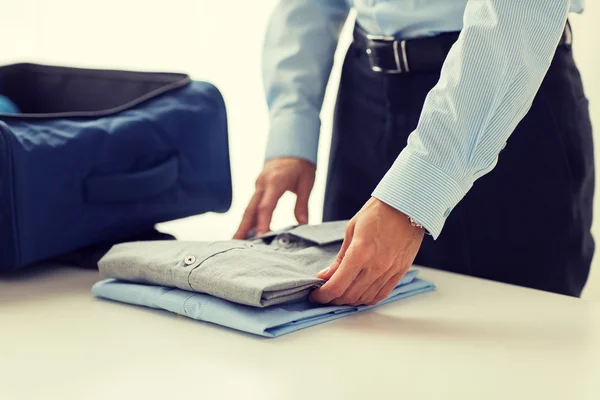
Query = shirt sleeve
x=487 y=85
x=298 y=54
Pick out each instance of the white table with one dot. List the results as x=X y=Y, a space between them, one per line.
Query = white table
x=471 y=339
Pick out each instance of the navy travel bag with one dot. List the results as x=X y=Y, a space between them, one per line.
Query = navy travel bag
x=101 y=155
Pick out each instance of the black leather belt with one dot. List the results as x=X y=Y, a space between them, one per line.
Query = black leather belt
x=388 y=55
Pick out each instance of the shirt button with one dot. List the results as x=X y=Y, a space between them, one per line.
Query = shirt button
x=284 y=241
x=190 y=260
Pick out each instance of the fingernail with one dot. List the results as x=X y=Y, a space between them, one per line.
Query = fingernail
x=325 y=271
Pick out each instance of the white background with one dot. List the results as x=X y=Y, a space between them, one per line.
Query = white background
x=220 y=42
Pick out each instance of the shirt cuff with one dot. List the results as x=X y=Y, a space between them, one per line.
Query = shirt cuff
x=294 y=135
x=421 y=191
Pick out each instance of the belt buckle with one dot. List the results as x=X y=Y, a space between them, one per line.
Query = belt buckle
x=400 y=57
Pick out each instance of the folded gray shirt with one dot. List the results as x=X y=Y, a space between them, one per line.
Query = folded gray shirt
x=275 y=268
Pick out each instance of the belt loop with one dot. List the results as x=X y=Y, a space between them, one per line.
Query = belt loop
x=404 y=56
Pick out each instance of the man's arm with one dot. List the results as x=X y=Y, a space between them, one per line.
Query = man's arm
x=298 y=55
x=487 y=85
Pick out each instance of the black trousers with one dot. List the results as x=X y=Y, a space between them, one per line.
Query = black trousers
x=526 y=223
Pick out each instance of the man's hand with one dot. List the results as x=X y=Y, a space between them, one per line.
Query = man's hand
x=379 y=247
x=278 y=176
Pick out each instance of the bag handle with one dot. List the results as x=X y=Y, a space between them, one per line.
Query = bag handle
x=132 y=186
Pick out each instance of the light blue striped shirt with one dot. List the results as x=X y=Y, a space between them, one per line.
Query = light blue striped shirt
x=487 y=85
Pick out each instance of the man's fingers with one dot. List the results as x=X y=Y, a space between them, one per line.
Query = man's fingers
x=367 y=285
x=302 y=196
x=265 y=209
x=301 y=212
x=328 y=272
x=249 y=218
x=387 y=288
x=355 y=291
x=363 y=283
x=341 y=280
x=348 y=236
x=369 y=295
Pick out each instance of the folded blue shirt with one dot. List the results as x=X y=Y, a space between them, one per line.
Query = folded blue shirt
x=269 y=322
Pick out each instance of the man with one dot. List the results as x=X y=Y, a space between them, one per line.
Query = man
x=431 y=91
